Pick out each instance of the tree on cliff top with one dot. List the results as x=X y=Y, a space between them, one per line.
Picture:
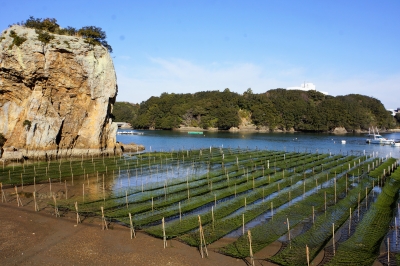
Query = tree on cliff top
x=95 y=36
x=92 y=34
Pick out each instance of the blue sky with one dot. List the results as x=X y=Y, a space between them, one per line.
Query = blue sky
x=187 y=46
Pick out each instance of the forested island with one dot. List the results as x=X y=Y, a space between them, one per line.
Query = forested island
x=275 y=110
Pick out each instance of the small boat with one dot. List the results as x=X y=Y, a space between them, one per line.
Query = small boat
x=396 y=144
x=129 y=132
x=375 y=138
x=343 y=142
x=195 y=132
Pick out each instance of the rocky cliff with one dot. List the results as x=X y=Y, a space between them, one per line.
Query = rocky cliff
x=55 y=98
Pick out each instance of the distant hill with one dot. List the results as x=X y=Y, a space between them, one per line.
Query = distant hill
x=275 y=110
x=125 y=112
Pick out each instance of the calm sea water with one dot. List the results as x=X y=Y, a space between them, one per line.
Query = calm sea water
x=160 y=140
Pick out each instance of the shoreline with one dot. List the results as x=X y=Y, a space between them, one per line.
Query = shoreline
x=253 y=130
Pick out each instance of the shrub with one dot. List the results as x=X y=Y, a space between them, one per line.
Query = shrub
x=17 y=40
x=27 y=124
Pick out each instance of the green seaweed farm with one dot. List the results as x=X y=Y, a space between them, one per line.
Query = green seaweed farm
x=319 y=208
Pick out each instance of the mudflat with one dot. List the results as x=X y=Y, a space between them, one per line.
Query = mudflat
x=40 y=238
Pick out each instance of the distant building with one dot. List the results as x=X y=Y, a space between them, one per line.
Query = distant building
x=306 y=87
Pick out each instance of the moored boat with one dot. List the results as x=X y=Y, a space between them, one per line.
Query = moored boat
x=195 y=132
x=375 y=138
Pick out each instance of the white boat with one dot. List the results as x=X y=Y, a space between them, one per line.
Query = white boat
x=375 y=138
x=396 y=144
x=131 y=132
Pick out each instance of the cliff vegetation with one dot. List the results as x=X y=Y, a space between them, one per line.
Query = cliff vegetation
x=46 y=27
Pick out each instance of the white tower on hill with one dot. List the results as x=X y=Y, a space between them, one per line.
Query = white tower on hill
x=306 y=87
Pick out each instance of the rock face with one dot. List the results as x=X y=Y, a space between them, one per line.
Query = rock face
x=55 y=98
x=339 y=130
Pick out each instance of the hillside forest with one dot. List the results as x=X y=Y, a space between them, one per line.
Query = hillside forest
x=277 y=109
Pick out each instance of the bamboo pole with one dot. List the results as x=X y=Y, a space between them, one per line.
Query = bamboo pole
x=126 y=199
x=164 y=236
x=358 y=207
x=202 y=239
x=103 y=220
x=388 y=250
x=272 y=210
x=288 y=227
x=78 y=218
x=132 y=229
x=50 y=186
x=313 y=215
x=36 y=207
x=212 y=217
x=250 y=248
x=333 y=238
x=243 y=224
x=335 y=188
x=56 y=212
x=395 y=227
x=66 y=190
x=3 y=196
x=180 y=212
x=350 y=222
x=19 y=202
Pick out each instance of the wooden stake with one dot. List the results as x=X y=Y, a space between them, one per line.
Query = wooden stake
x=132 y=229
x=308 y=255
